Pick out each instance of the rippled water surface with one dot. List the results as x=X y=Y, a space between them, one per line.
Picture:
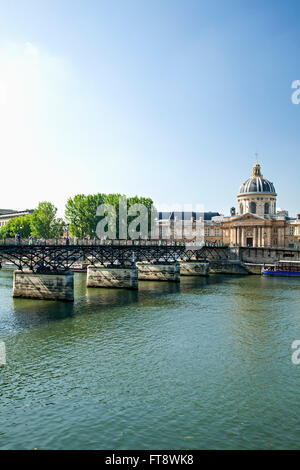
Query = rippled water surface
x=204 y=364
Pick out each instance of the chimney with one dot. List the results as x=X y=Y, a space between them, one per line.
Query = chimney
x=298 y=216
x=232 y=211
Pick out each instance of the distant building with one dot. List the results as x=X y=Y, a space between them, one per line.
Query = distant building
x=256 y=223
x=165 y=216
x=180 y=225
x=7 y=214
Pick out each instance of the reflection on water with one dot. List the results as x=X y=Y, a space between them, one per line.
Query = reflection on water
x=201 y=364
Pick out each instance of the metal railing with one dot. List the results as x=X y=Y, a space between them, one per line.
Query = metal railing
x=87 y=242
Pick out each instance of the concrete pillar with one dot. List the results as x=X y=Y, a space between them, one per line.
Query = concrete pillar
x=159 y=272
x=30 y=285
x=125 y=277
x=194 y=268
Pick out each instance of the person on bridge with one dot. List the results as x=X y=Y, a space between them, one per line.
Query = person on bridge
x=18 y=239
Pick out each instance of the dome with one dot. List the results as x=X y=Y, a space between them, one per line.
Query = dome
x=257 y=184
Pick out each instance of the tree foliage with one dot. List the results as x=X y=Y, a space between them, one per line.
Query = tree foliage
x=44 y=223
x=81 y=212
x=20 y=225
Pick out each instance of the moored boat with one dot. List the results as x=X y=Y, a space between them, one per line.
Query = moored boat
x=283 y=268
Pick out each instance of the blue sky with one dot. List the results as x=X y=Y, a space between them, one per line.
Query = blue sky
x=166 y=99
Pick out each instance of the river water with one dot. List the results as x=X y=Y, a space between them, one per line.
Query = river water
x=198 y=365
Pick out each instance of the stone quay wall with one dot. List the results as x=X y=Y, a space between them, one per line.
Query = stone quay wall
x=228 y=267
x=264 y=255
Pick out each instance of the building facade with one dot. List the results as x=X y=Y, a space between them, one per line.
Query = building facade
x=7 y=214
x=256 y=223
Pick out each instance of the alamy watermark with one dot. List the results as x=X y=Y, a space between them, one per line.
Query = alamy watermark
x=2 y=353
x=296 y=353
x=141 y=222
x=296 y=94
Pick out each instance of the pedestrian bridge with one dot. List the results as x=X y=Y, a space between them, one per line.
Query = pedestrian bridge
x=57 y=256
x=43 y=270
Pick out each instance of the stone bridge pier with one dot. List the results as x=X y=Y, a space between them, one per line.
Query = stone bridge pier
x=194 y=268
x=125 y=277
x=159 y=271
x=47 y=286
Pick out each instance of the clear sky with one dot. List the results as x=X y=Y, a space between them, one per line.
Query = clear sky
x=168 y=99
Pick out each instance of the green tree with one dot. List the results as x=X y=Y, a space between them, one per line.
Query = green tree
x=81 y=212
x=113 y=201
x=147 y=202
x=20 y=225
x=58 y=228
x=44 y=223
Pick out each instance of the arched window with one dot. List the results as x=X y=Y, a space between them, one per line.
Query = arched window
x=267 y=208
x=241 y=209
x=252 y=207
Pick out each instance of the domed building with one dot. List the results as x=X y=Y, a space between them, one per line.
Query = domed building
x=257 y=195
x=257 y=222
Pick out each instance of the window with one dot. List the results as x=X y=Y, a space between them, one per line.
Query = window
x=241 y=209
x=267 y=208
x=252 y=207
x=207 y=232
x=292 y=230
x=217 y=232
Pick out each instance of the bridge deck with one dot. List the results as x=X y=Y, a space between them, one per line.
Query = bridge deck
x=47 y=256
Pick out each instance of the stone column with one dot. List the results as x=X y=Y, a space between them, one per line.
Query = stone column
x=281 y=236
x=254 y=236
x=262 y=236
x=259 y=237
x=269 y=236
x=232 y=236
x=243 y=236
x=46 y=286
